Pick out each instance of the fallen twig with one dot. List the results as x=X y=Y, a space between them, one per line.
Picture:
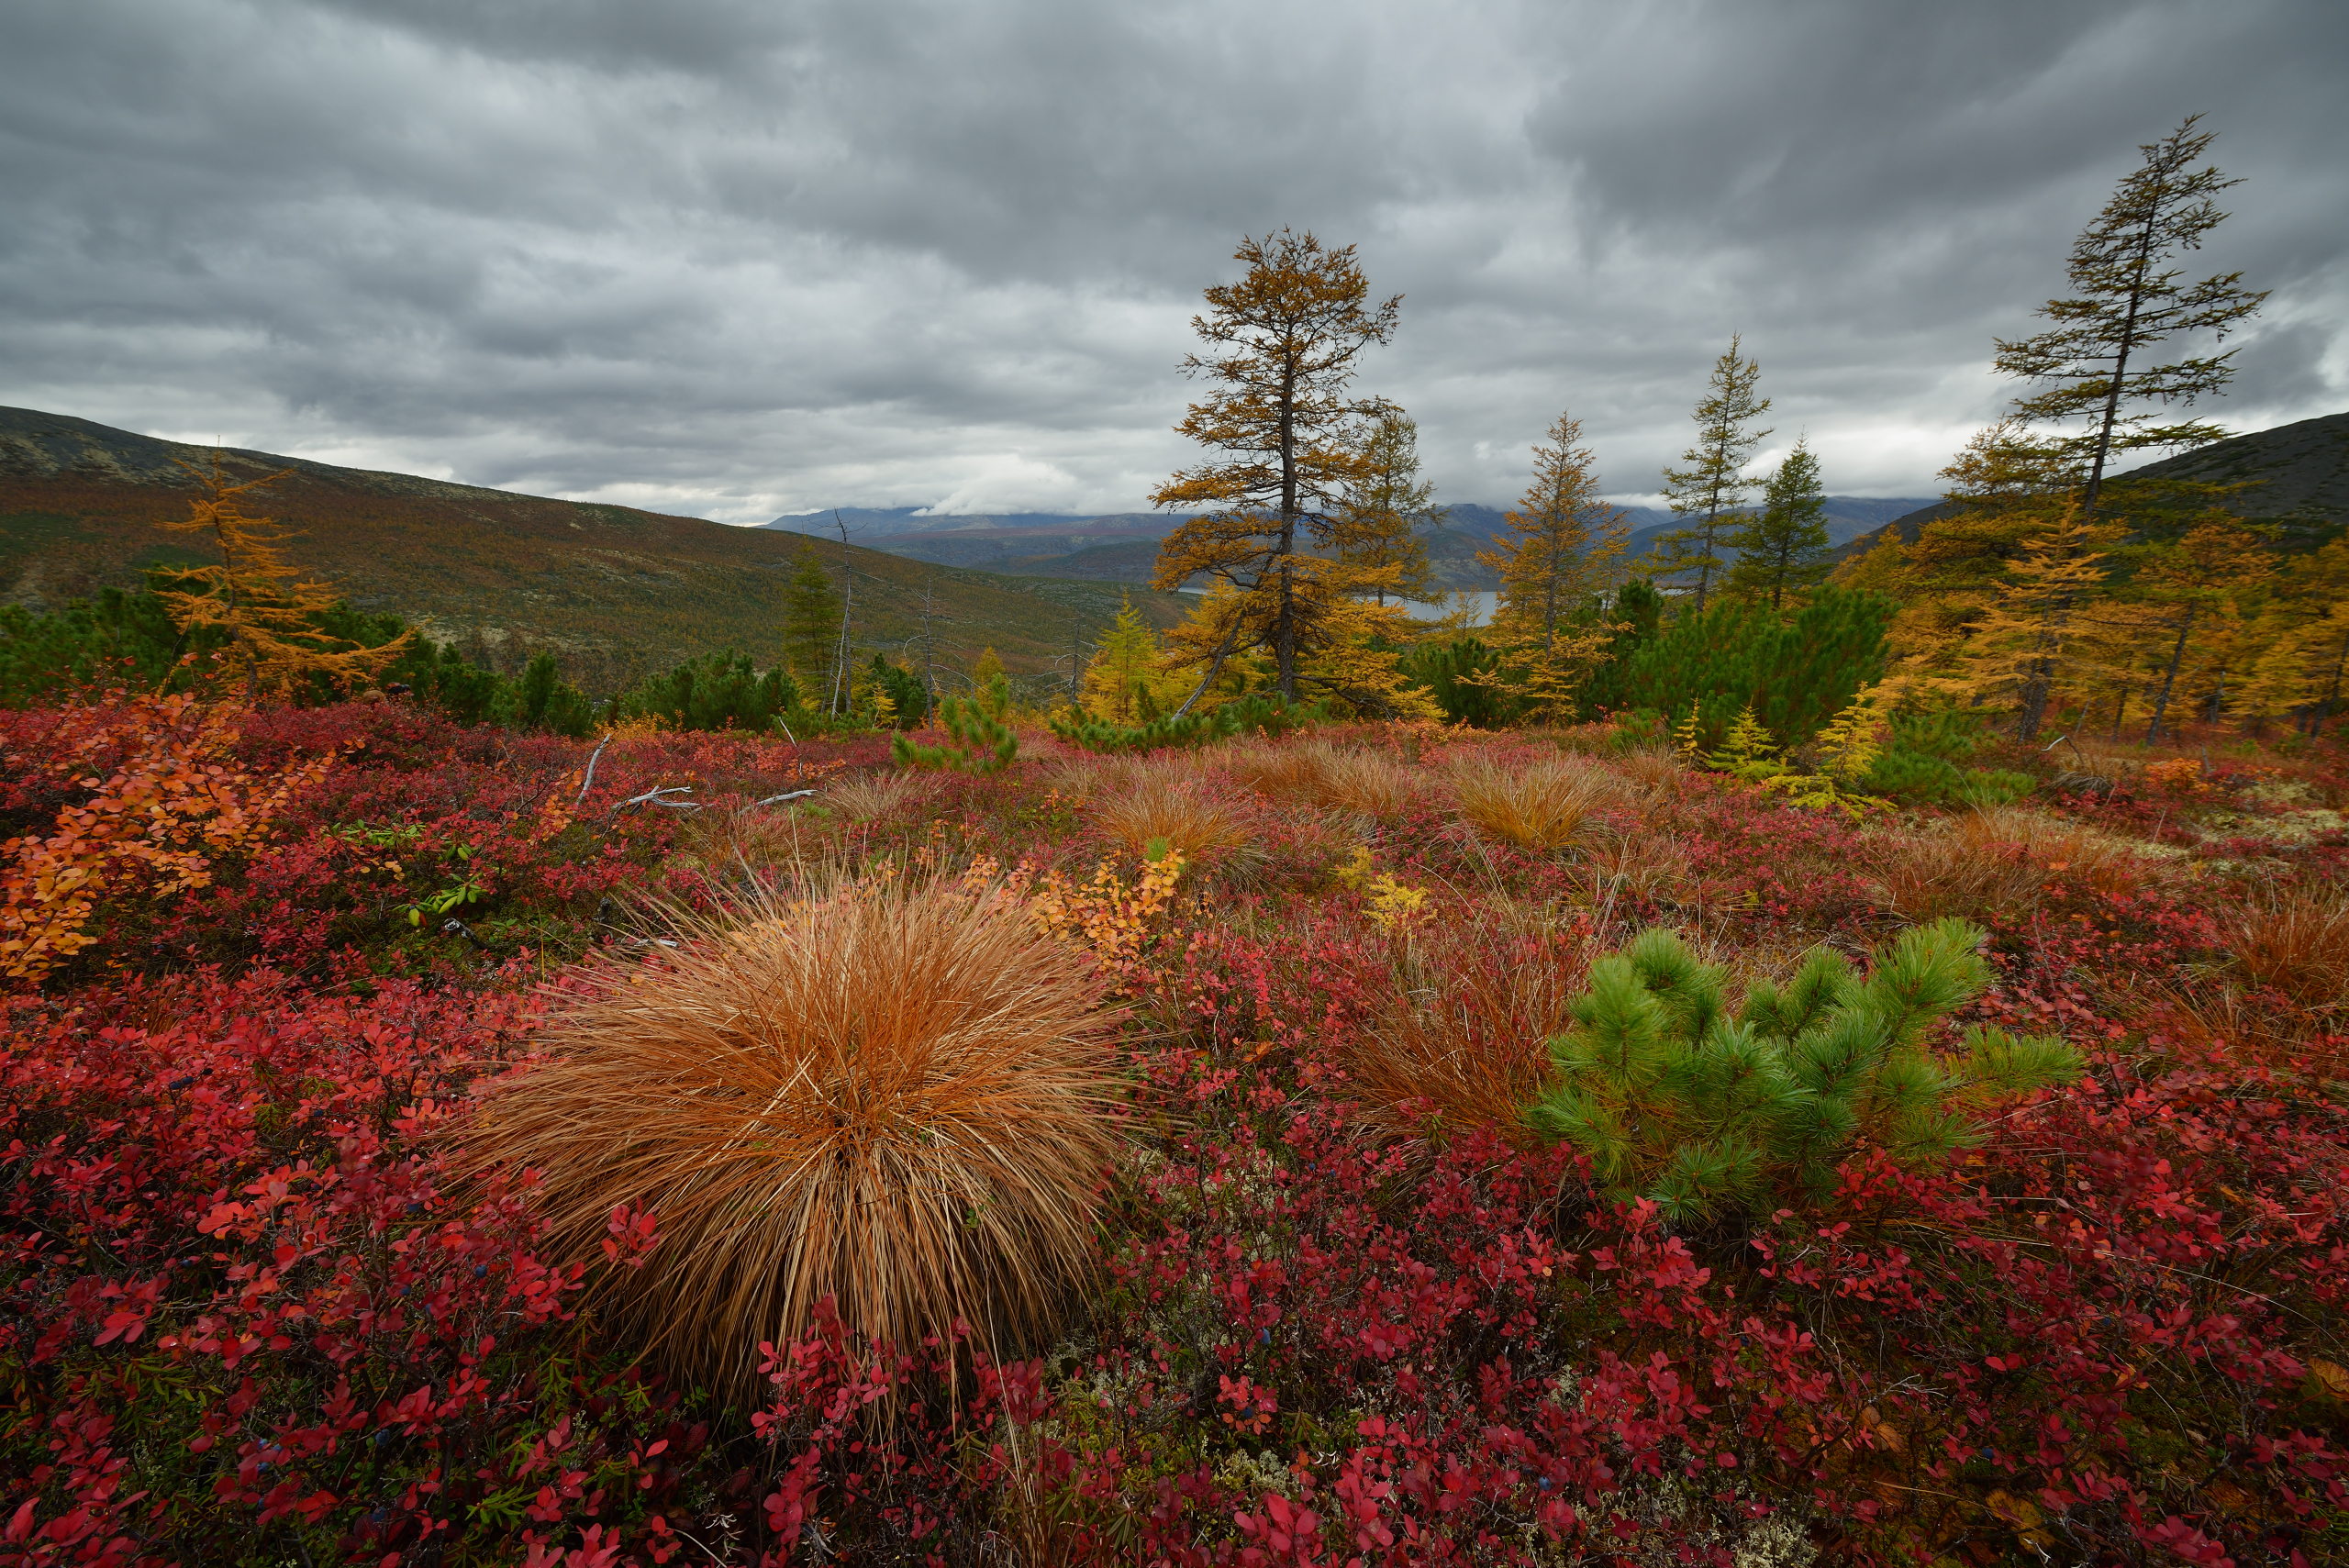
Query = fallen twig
x=589 y=782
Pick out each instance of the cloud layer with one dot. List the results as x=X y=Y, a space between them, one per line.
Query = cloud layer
x=737 y=259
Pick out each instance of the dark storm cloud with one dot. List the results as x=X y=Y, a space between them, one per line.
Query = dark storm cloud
x=736 y=259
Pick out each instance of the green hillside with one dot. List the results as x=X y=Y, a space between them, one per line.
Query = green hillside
x=611 y=590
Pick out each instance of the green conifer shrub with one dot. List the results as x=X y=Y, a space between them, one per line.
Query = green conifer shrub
x=1795 y=674
x=1266 y=712
x=717 y=691
x=983 y=742
x=1676 y=1101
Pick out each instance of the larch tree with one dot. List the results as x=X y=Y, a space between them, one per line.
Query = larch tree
x=1382 y=514
x=2128 y=299
x=1710 y=485
x=2302 y=638
x=1288 y=442
x=1783 y=549
x=2037 y=639
x=2195 y=597
x=269 y=615
x=811 y=624
x=1122 y=682
x=1564 y=548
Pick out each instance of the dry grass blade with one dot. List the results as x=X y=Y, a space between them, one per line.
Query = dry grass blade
x=1161 y=804
x=900 y=1099
x=1541 y=807
x=2297 y=943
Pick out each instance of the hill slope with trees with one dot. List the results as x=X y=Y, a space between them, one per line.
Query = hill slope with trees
x=611 y=590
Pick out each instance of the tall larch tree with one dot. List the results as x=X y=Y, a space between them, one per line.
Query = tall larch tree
x=269 y=614
x=1383 y=516
x=811 y=624
x=1783 y=550
x=1710 y=484
x=2128 y=299
x=1287 y=441
x=1564 y=548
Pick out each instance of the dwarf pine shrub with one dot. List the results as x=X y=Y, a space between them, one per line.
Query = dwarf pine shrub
x=985 y=743
x=1676 y=1101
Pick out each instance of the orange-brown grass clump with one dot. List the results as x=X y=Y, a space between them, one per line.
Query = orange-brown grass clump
x=900 y=1097
x=1161 y=805
x=2297 y=943
x=870 y=796
x=1370 y=782
x=1469 y=1044
x=1994 y=860
x=1542 y=806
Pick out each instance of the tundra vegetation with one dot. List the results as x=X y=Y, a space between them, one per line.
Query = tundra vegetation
x=1655 y=1082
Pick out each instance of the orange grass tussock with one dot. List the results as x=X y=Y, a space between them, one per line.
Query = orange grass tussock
x=1370 y=782
x=900 y=1095
x=1543 y=806
x=1162 y=806
x=1996 y=860
x=2297 y=943
x=1469 y=1044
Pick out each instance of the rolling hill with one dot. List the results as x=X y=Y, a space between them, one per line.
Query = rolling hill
x=611 y=590
x=2296 y=480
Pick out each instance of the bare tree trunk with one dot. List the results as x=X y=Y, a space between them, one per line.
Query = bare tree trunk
x=2169 y=676
x=836 y=700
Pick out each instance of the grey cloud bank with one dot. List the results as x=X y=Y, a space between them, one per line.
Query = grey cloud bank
x=736 y=259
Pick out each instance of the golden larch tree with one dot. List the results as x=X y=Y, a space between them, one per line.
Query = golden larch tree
x=1288 y=442
x=1382 y=514
x=1564 y=546
x=269 y=614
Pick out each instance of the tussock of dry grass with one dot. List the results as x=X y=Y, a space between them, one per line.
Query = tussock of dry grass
x=1540 y=806
x=897 y=1097
x=1165 y=804
x=1658 y=772
x=1470 y=1044
x=1989 y=861
x=872 y=796
x=1320 y=773
x=1639 y=867
x=2297 y=943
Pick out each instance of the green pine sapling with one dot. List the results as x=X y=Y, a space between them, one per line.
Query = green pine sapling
x=1679 y=1102
x=987 y=743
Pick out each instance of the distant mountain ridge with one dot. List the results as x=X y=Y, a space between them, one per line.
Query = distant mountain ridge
x=1122 y=546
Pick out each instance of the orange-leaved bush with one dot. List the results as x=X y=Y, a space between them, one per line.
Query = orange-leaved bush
x=900 y=1095
x=164 y=797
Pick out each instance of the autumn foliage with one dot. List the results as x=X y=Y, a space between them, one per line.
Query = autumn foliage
x=1158 y=1208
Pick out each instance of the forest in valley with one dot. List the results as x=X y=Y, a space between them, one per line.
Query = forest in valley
x=1744 y=1055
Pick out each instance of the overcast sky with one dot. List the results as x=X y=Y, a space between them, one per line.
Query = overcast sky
x=733 y=260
